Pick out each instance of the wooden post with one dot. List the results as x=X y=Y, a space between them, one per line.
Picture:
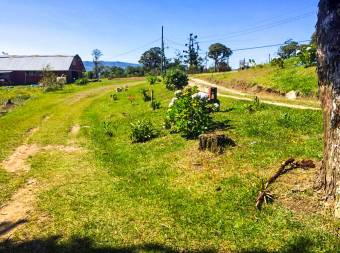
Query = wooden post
x=212 y=94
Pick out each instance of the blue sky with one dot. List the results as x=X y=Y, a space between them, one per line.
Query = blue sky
x=124 y=29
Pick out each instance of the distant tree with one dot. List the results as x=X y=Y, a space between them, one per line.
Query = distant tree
x=152 y=60
x=176 y=62
x=134 y=71
x=252 y=62
x=219 y=53
x=224 y=67
x=288 y=49
x=191 y=55
x=96 y=54
x=113 y=72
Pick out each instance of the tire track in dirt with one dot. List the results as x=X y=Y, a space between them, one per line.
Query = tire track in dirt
x=18 y=208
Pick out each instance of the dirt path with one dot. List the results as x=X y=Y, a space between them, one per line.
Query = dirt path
x=238 y=95
x=17 y=210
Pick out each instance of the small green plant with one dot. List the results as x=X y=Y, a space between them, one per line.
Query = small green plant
x=146 y=96
x=142 y=131
x=114 y=97
x=152 y=80
x=82 y=81
x=286 y=120
x=175 y=79
x=255 y=106
x=132 y=99
x=189 y=114
x=108 y=129
x=155 y=105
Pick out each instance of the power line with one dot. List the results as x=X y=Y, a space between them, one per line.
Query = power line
x=265 y=46
x=261 y=28
x=250 y=30
x=138 y=48
x=259 y=47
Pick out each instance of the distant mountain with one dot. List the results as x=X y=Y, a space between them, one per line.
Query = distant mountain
x=89 y=64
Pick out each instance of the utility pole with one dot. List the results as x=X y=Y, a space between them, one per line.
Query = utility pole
x=163 y=54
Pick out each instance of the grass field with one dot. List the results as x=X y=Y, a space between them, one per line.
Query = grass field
x=163 y=195
x=292 y=77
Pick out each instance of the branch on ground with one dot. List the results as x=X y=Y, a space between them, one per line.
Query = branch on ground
x=286 y=166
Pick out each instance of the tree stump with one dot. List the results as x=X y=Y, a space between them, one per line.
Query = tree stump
x=215 y=143
x=8 y=104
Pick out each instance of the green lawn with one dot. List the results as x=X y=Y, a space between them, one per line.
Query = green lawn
x=291 y=77
x=163 y=195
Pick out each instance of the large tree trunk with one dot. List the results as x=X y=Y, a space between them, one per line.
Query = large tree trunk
x=328 y=39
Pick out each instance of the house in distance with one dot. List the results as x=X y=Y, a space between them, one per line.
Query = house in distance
x=16 y=69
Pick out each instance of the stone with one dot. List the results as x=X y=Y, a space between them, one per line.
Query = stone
x=291 y=95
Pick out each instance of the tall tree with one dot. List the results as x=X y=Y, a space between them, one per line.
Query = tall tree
x=219 y=53
x=96 y=54
x=328 y=40
x=288 y=49
x=152 y=60
x=191 y=55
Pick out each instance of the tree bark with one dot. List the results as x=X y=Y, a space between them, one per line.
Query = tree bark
x=328 y=39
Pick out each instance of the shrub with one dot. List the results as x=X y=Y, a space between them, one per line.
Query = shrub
x=307 y=55
x=175 y=79
x=49 y=80
x=82 y=81
x=88 y=74
x=278 y=62
x=142 y=130
x=189 y=114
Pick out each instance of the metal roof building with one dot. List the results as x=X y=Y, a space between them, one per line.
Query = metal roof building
x=20 y=69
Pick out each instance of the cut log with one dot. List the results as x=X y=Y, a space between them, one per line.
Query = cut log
x=215 y=143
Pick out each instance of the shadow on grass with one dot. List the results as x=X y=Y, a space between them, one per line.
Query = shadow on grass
x=86 y=245
x=221 y=125
x=6 y=227
x=82 y=245
x=300 y=245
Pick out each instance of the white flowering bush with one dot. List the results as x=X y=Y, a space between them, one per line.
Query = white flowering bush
x=189 y=114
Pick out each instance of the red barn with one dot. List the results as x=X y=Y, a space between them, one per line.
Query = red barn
x=16 y=70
